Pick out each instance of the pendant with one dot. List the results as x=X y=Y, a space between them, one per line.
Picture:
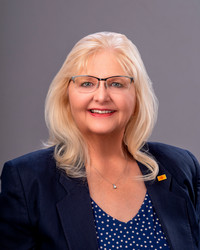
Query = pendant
x=114 y=186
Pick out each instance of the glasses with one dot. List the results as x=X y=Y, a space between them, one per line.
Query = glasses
x=116 y=84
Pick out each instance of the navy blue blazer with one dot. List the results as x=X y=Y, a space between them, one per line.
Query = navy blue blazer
x=41 y=208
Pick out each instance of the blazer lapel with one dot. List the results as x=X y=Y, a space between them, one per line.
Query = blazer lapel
x=171 y=208
x=76 y=216
x=167 y=197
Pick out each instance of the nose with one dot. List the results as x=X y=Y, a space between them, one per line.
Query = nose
x=102 y=94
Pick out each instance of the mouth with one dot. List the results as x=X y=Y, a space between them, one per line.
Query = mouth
x=103 y=111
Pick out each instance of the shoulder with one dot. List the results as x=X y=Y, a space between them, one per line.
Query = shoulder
x=36 y=158
x=170 y=153
x=164 y=150
x=31 y=176
x=176 y=160
x=41 y=155
x=38 y=163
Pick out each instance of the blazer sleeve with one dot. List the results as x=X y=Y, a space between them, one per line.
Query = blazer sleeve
x=16 y=231
x=197 y=190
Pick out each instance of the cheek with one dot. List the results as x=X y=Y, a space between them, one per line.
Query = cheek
x=77 y=103
x=130 y=110
x=130 y=104
x=75 y=110
x=73 y=102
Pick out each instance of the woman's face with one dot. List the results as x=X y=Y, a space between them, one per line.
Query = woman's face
x=88 y=109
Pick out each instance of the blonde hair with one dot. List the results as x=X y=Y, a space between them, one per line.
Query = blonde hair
x=70 y=149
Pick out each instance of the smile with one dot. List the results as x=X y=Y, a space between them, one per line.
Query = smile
x=97 y=111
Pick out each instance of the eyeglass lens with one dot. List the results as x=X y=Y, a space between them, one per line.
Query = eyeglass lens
x=115 y=84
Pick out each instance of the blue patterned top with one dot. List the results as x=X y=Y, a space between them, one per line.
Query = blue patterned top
x=144 y=231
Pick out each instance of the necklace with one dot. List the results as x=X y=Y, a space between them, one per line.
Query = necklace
x=113 y=184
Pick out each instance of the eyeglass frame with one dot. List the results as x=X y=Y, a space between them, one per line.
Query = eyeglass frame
x=101 y=79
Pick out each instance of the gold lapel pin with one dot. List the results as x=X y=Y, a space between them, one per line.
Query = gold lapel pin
x=162 y=177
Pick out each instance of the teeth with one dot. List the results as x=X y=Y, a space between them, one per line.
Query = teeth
x=101 y=111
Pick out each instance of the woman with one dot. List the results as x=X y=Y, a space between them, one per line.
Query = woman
x=99 y=185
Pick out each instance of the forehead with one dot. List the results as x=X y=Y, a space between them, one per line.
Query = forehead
x=103 y=64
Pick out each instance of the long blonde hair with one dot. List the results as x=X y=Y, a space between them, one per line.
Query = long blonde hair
x=70 y=149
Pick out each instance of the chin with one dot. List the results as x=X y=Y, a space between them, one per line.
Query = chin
x=105 y=131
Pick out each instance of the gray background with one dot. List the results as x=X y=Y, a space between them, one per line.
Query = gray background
x=36 y=36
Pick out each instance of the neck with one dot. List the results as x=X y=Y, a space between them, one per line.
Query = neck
x=105 y=146
x=106 y=154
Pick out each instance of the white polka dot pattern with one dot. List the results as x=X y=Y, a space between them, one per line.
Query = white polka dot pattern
x=144 y=231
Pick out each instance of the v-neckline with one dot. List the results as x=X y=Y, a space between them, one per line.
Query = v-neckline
x=146 y=197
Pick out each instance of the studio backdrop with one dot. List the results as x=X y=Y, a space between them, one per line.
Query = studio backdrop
x=36 y=36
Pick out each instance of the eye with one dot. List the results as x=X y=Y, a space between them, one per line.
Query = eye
x=87 y=84
x=116 y=85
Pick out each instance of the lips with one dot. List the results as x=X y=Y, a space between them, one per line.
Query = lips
x=98 y=111
x=102 y=112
